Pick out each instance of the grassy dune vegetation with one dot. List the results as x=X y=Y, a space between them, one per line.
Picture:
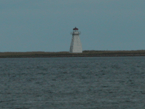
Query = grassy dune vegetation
x=86 y=53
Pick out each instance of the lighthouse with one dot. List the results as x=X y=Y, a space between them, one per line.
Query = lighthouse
x=76 y=46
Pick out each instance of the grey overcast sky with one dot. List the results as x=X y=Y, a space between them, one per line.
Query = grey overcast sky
x=45 y=25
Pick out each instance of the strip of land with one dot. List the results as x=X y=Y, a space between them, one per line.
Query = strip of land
x=86 y=53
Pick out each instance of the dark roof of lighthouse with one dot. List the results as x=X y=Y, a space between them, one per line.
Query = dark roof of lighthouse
x=75 y=28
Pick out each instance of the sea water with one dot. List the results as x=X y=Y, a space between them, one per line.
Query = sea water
x=72 y=83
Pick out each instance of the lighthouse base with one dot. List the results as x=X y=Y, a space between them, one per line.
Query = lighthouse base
x=76 y=46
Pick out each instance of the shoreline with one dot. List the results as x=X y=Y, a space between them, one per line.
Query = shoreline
x=86 y=53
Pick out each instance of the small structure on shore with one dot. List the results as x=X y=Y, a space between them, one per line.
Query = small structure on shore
x=76 y=46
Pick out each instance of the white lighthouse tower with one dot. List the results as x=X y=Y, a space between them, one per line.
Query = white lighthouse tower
x=76 y=46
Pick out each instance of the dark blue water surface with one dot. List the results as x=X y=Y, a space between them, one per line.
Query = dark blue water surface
x=72 y=83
